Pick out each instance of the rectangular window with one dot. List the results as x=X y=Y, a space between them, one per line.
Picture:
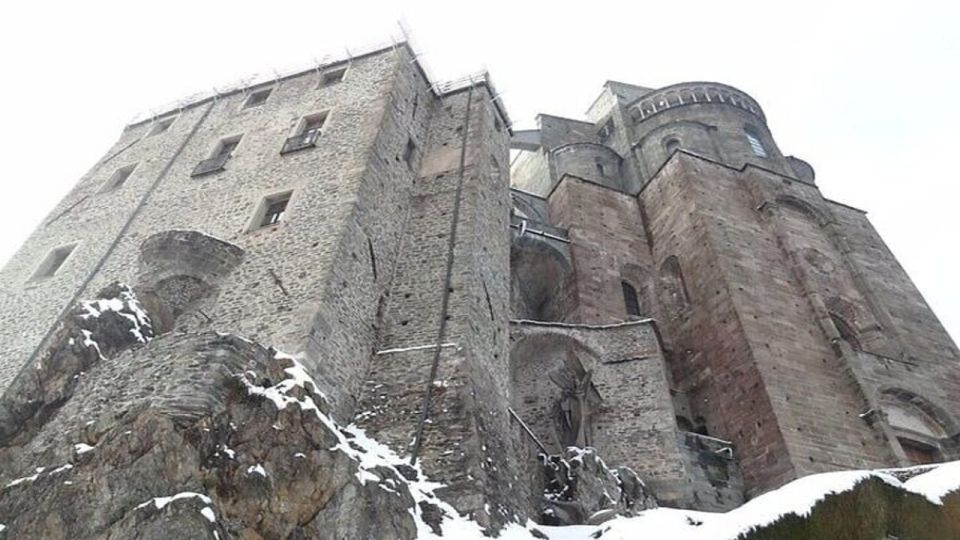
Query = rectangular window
x=307 y=133
x=215 y=163
x=258 y=98
x=52 y=262
x=333 y=76
x=160 y=126
x=606 y=130
x=272 y=209
x=118 y=178
x=756 y=145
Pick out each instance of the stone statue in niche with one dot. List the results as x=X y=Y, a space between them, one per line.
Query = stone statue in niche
x=573 y=411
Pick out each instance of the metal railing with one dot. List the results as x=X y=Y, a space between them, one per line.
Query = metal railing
x=211 y=165
x=307 y=139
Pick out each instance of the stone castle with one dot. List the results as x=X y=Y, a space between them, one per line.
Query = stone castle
x=656 y=281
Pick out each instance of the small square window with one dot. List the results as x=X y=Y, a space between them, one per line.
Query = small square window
x=305 y=136
x=118 y=178
x=160 y=126
x=333 y=76
x=226 y=147
x=272 y=210
x=258 y=98
x=219 y=157
x=52 y=262
x=311 y=125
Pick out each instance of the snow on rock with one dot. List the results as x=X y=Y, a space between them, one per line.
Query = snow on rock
x=798 y=497
x=160 y=502
x=208 y=513
x=126 y=305
x=30 y=478
x=82 y=448
x=257 y=469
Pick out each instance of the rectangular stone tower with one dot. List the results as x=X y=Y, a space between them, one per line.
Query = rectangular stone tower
x=354 y=215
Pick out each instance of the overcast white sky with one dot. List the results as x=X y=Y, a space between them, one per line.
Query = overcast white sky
x=865 y=91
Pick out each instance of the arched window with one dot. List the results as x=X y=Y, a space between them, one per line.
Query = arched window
x=915 y=424
x=847 y=332
x=755 y=142
x=671 y=145
x=630 y=299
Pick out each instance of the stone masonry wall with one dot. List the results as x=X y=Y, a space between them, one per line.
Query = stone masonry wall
x=607 y=246
x=463 y=441
x=709 y=354
x=634 y=425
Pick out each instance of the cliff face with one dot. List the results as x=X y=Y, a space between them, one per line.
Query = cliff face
x=116 y=433
x=119 y=434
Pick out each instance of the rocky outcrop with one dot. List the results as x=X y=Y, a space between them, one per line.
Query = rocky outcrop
x=117 y=433
x=189 y=436
x=581 y=489
x=90 y=332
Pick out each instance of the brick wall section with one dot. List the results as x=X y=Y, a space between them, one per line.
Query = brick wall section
x=710 y=356
x=607 y=245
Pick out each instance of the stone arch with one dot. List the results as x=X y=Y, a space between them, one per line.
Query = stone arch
x=846 y=330
x=846 y=310
x=537 y=363
x=805 y=208
x=919 y=425
x=178 y=269
x=524 y=208
x=672 y=290
x=540 y=278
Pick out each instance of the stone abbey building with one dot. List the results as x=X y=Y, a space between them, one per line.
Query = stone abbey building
x=655 y=280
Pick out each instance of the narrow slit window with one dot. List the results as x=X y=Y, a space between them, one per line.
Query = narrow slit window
x=273 y=209
x=53 y=261
x=409 y=152
x=119 y=177
x=258 y=98
x=671 y=145
x=630 y=299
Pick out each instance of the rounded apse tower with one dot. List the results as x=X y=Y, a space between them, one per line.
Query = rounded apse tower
x=713 y=120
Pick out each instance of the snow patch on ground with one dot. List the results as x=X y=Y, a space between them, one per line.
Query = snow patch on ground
x=936 y=483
